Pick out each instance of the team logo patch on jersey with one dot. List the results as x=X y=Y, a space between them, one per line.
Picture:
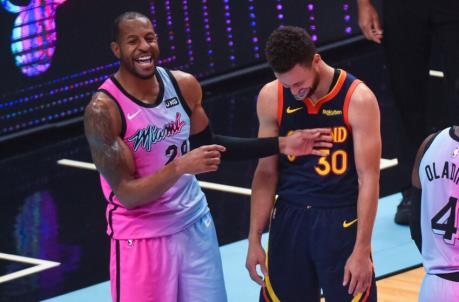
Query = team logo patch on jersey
x=455 y=153
x=329 y=112
x=171 y=102
x=150 y=135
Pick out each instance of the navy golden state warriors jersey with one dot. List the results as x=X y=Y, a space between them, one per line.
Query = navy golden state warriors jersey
x=313 y=180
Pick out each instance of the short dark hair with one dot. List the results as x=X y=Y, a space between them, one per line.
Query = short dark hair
x=124 y=16
x=288 y=46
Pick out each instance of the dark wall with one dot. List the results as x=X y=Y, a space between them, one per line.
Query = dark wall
x=203 y=37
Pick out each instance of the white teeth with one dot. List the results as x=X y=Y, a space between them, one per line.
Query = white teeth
x=143 y=58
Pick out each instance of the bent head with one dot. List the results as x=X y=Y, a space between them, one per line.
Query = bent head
x=294 y=59
x=135 y=44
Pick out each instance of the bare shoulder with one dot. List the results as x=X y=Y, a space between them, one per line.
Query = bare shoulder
x=267 y=110
x=101 y=114
x=189 y=87
x=267 y=100
x=363 y=106
x=363 y=96
x=185 y=80
x=100 y=102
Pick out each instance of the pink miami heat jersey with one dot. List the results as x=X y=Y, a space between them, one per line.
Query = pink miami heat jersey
x=156 y=134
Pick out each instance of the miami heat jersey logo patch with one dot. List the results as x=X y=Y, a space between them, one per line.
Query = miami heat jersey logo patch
x=455 y=153
x=150 y=135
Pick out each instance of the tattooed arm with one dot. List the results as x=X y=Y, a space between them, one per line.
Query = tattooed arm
x=114 y=160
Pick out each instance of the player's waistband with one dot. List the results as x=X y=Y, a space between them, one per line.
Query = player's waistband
x=325 y=204
x=450 y=276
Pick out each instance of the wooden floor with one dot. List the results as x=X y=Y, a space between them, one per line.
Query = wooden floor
x=402 y=287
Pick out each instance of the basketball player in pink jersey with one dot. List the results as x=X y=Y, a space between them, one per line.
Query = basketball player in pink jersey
x=138 y=124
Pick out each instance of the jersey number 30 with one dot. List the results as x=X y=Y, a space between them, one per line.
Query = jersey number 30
x=444 y=222
x=336 y=163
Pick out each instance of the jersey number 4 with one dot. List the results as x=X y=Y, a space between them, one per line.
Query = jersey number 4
x=445 y=221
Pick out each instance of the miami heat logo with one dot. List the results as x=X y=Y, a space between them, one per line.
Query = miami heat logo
x=150 y=135
x=455 y=153
x=34 y=34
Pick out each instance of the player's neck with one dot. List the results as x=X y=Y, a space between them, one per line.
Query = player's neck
x=325 y=79
x=146 y=90
x=456 y=130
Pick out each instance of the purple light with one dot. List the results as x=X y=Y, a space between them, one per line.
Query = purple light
x=279 y=7
x=33 y=37
x=347 y=18
x=314 y=38
x=310 y=7
x=348 y=30
x=280 y=16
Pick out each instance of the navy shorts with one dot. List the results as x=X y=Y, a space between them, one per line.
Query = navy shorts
x=307 y=250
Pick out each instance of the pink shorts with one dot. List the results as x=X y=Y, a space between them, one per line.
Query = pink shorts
x=181 y=267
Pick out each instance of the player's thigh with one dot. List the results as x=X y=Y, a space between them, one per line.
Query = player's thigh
x=434 y=288
x=201 y=274
x=144 y=270
x=334 y=235
x=291 y=275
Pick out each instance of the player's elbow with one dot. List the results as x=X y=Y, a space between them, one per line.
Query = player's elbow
x=369 y=177
x=126 y=197
x=127 y=201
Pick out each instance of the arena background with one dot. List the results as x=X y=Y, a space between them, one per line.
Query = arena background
x=53 y=56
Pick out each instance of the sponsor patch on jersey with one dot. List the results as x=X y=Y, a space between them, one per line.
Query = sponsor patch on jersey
x=329 y=112
x=171 y=102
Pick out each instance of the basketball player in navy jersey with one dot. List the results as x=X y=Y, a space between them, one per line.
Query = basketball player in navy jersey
x=321 y=223
x=434 y=219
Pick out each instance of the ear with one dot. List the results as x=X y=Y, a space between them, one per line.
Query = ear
x=115 y=49
x=317 y=58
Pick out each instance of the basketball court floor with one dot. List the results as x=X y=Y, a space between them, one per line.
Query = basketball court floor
x=53 y=244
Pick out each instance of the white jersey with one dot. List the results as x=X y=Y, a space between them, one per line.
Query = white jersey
x=439 y=176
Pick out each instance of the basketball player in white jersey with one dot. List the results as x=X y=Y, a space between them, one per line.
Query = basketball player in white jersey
x=434 y=219
x=138 y=124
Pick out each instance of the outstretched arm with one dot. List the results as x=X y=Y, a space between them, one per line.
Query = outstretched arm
x=302 y=142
